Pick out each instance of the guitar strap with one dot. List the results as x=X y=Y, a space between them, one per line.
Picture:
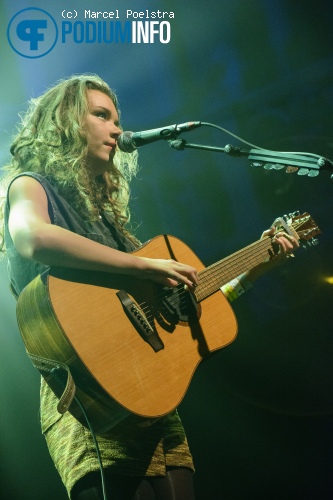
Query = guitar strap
x=57 y=369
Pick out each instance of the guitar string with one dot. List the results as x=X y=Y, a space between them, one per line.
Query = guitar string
x=211 y=272
x=245 y=258
x=238 y=261
x=233 y=265
x=204 y=275
x=213 y=275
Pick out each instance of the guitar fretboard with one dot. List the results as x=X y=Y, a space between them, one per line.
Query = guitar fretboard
x=218 y=274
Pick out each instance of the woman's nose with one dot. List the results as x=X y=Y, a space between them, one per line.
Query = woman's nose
x=115 y=131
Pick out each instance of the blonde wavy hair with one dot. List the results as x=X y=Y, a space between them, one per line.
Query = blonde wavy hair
x=51 y=141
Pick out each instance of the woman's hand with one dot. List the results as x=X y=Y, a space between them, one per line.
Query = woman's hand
x=168 y=272
x=286 y=244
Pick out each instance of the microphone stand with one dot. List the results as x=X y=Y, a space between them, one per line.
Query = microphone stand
x=303 y=163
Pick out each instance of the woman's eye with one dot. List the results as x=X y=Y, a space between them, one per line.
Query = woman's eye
x=101 y=114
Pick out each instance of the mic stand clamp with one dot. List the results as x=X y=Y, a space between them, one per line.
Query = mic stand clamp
x=181 y=144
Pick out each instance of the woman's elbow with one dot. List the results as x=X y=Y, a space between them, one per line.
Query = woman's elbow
x=31 y=245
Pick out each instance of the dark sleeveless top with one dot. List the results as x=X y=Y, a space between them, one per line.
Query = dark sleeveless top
x=22 y=271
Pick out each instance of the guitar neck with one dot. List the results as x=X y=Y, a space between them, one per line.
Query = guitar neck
x=215 y=276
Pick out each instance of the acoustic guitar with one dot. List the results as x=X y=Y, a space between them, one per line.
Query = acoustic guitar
x=130 y=347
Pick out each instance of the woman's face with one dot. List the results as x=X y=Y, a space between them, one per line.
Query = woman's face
x=102 y=131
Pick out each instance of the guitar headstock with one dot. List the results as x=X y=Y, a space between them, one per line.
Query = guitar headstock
x=301 y=226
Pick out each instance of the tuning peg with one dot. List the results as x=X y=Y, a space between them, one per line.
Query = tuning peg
x=278 y=166
x=268 y=166
x=313 y=173
x=292 y=215
x=314 y=241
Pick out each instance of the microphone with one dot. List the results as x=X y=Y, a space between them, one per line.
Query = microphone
x=129 y=141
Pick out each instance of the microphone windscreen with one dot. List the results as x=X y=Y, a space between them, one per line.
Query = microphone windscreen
x=125 y=142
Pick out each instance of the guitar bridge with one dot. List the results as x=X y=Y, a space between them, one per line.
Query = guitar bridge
x=139 y=321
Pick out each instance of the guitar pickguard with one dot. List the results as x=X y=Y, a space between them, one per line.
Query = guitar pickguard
x=170 y=307
x=177 y=305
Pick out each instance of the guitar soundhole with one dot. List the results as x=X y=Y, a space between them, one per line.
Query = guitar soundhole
x=177 y=304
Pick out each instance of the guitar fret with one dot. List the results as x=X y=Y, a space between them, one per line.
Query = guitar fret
x=215 y=276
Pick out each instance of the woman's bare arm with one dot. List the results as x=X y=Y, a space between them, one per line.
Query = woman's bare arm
x=37 y=239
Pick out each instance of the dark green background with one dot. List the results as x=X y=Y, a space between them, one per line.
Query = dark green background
x=259 y=414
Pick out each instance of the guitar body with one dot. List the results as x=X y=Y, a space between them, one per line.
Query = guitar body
x=78 y=319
